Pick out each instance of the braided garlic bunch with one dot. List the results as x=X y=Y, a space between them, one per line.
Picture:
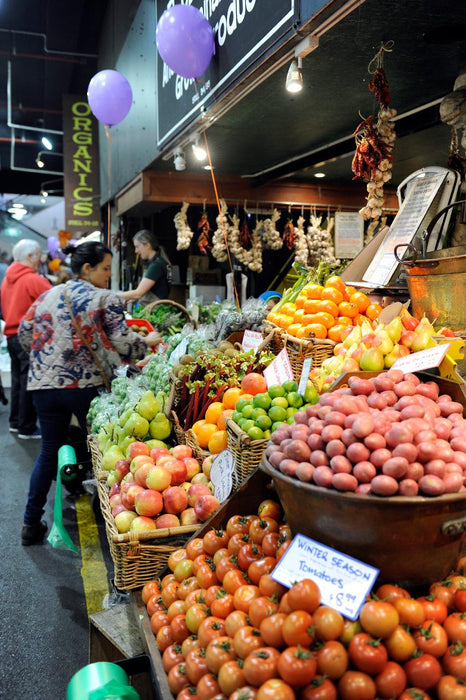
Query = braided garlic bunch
x=184 y=233
x=383 y=172
x=219 y=248
x=270 y=236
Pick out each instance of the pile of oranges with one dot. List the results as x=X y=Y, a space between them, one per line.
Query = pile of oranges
x=324 y=311
x=210 y=431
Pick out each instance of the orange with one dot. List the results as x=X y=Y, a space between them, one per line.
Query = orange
x=308 y=318
x=217 y=442
x=335 y=333
x=222 y=419
x=288 y=308
x=345 y=320
x=299 y=303
x=316 y=329
x=301 y=332
x=337 y=282
x=204 y=433
x=198 y=425
x=253 y=383
x=272 y=317
x=284 y=321
x=311 y=306
x=328 y=306
x=231 y=396
x=325 y=319
x=313 y=291
x=213 y=412
x=361 y=300
x=349 y=291
x=293 y=329
x=347 y=308
x=373 y=311
x=298 y=316
x=332 y=294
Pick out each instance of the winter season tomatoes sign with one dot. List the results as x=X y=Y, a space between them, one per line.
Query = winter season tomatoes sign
x=344 y=582
x=245 y=32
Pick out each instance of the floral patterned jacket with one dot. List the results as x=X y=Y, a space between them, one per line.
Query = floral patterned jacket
x=58 y=358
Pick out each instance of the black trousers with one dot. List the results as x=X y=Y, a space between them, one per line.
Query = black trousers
x=22 y=412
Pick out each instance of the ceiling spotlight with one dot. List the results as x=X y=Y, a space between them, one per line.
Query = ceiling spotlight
x=179 y=162
x=44 y=193
x=199 y=152
x=319 y=174
x=47 y=143
x=294 y=78
x=39 y=162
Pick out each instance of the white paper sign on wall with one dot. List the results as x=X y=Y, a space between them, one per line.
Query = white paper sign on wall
x=221 y=474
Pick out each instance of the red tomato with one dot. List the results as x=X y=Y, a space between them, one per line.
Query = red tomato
x=244 y=595
x=304 y=595
x=214 y=540
x=171 y=656
x=206 y=575
x=246 y=640
x=410 y=611
x=269 y=509
x=269 y=587
x=212 y=593
x=391 y=681
x=158 y=619
x=400 y=644
x=297 y=666
x=320 y=688
x=164 y=637
x=414 y=694
x=378 y=618
x=170 y=593
x=275 y=689
x=389 y=592
x=187 y=586
x=175 y=557
x=190 y=643
x=454 y=661
x=218 y=652
x=260 y=665
x=271 y=629
x=236 y=542
x=350 y=628
x=259 y=567
x=233 y=580
x=328 y=623
x=270 y=544
x=178 y=607
x=298 y=628
x=244 y=693
x=207 y=687
x=177 y=678
x=179 y=628
x=249 y=553
x=451 y=688
x=149 y=589
x=237 y=523
x=154 y=603
x=188 y=693
x=231 y=677
x=260 y=608
x=226 y=564
x=459 y=600
x=355 y=685
x=196 y=665
x=434 y=608
x=367 y=654
x=431 y=638
x=195 y=547
x=234 y=621
x=445 y=590
x=222 y=605
x=455 y=627
x=200 y=560
x=332 y=659
x=210 y=628
x=195 y=615
x=261 y=527
x=423 y=671
x=282 y=548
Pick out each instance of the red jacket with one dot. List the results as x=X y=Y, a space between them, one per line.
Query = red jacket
x=20 y=288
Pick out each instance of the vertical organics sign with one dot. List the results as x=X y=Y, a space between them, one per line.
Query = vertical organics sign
x=81 y=166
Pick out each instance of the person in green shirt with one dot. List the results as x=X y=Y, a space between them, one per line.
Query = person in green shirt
x=155 y=283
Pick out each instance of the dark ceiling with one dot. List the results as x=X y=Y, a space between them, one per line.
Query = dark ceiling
x=49 y=47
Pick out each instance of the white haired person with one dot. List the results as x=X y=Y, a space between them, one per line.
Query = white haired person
x=78 y=337
x=20 y=288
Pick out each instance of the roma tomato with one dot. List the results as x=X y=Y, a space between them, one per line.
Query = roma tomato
x=391 y=681
x=423 y=671
x=332 y=659
x=320 y=688
x=231 y=677
x=328 y=623
x=451 y=688
x=355 y=685
x=260 y=665
x=246 y=640
x=298 y=628
x=297 y=666
x=367 y=654
x=434 y=608
x=454 y=661
x=196 y=665
x=431 y=638
x=275 y=689
x=218 y=652
x=378 y=618
x=304 y=595
x=455 y=627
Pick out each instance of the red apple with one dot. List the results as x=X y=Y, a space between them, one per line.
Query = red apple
x=118 y=509
x=186 y=485
x=137 y=448
x=158 y=478
x=142 y=524
x=129 y=495
x=167 y=520
x=121 y=468
x=206 y=506
x=124 y=519
x=114 y=489
x=164 y=458
x=141 y=474
x=177 y=469
x=181 y=451
x=157 y=452
x=114 y=500
x=148 y=502
x=175 y=500
x=200 y=478
x=407 y=338
x=207 y=465
x=189 y=517
x=197 y=490
x=138 y=461
x=192 y=467
x=128 y=478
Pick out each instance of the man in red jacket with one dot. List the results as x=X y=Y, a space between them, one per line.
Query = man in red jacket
x=20 y=288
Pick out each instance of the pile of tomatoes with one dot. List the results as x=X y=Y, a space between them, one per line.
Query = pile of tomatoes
x=324 y=311
x=226 y=629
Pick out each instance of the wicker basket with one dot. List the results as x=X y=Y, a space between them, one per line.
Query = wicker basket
x=299 y=349
x=187 y=437
x=168 y=302
x=96 y=456
x=246 y=452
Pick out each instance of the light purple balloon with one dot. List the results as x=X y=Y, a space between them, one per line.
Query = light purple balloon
x=110 y=96
x=53 y=245
x=185 y=40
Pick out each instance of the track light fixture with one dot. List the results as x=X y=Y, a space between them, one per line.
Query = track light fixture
x=46 y=142
x=179 y=161
x=294 y=78
x=199 y=152
x=40 y=161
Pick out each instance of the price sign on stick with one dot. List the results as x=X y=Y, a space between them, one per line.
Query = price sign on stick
x=424 y=359
x=279 y=370
x=221 y=474
x=344 y=582
x=307 y=366
x=251 y=340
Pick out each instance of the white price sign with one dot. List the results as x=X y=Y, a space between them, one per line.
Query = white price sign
x=424 y=359
x=344 y=582
x=251 y=340
x=279 y=371
x=307 y=366
x=221 y=474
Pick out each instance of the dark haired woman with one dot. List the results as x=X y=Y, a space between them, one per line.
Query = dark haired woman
x=76 y=336
x=155 y=283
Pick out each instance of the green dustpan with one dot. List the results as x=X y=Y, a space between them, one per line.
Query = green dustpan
x=58 y=536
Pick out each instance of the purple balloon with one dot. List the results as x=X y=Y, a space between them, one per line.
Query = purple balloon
x=53 y=245
x=185 y=40
x=110 y=96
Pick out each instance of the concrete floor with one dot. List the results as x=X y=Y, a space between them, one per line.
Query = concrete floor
x=44 y=631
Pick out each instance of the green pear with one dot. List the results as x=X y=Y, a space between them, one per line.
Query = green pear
x=105 y=435
x=372 y=360
x=152 y=443
x=160 y=427
x=136 y=425
x=125 y=442
x=394 y=329
x=124 y=417
x=148 y=406
x=111 y=457
x=383 y=342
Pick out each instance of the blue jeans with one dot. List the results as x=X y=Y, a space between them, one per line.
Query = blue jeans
x=55 y=408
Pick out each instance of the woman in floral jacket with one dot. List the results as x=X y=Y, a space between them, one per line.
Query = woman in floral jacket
x=76 y=335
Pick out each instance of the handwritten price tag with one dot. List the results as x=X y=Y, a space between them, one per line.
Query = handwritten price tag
x=279 y=370
x=251 y=340
x=307 y=366
x=424 y=359
x=221 y=474
x=344 y=582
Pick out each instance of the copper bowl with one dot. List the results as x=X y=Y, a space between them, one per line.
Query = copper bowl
x=413 y=541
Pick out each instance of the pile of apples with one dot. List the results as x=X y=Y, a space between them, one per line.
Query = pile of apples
x=373 y=350
x=160 y=488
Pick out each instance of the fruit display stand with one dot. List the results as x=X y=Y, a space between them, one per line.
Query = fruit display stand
x=298 y=349
x=247 y=452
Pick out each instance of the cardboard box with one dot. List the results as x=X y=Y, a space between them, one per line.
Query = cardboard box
x=198 y=263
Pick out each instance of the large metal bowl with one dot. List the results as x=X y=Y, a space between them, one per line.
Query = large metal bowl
x=413 y=541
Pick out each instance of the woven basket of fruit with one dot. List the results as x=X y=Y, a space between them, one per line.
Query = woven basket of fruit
x=299 y=349
x=246 y=451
